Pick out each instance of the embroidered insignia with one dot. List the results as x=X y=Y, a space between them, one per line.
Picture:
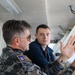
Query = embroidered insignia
x=21 y=57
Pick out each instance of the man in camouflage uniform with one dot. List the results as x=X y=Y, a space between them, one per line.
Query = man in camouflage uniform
x=17 y=37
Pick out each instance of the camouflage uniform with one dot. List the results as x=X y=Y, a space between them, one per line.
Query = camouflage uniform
x=13 y=62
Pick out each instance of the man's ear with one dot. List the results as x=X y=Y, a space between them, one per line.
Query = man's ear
x=16 y=41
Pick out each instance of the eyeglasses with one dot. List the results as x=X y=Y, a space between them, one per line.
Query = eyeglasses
x=29 y=38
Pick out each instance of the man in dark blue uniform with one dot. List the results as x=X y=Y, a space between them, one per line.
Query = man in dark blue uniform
x=39 y=52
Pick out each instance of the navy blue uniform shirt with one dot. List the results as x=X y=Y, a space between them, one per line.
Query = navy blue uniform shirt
x=36 y=54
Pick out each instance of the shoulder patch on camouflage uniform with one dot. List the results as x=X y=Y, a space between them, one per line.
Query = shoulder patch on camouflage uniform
x=21 y=57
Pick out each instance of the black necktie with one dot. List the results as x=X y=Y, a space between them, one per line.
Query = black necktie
x=45 y=52
x=46 y=55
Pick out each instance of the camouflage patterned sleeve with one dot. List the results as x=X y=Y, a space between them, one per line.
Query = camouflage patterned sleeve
x=69 y=71
x=57 y=69
x=53 y=69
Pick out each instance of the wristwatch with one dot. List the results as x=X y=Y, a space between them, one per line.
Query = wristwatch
x=64 y=63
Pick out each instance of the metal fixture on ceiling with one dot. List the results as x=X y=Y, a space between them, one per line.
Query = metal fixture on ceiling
x=11 y=6
x=61 y=35
x=64 y=30
x=73 y=11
